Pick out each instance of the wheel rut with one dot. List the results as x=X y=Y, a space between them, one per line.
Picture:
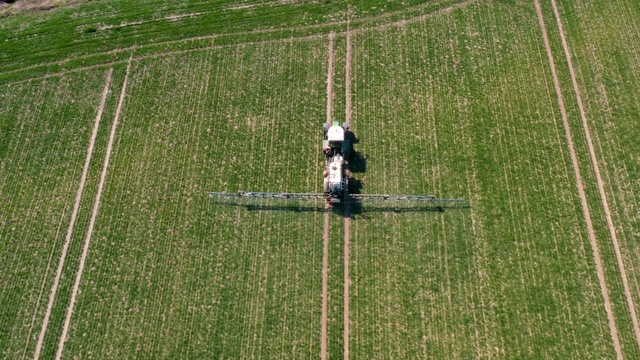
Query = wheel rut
x=325 y=282
x=347 y=208
x=580 y=186
x=599 y=181
x=74 y=216
x=325 y=232
x=92 y=221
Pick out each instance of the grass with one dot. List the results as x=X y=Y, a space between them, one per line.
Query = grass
x=188 y=277
x=605 y=72
x=513 y=275
x=46 y=130
x=457 y=102
x=104 y=26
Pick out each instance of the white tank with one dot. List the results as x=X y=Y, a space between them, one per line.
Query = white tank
x=333 y=178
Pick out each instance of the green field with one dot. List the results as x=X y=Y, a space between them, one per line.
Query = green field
x=46 y=127
x=454 y=98
x=512 y=276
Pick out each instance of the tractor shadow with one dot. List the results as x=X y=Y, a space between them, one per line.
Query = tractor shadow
x=356 y=210
x=357 y=161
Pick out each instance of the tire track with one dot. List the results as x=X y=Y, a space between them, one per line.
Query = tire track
x=94 y=214
x=332 y=35
x=325 y=233
x=347 y=280
x=347 y=215
x=74 y=216
x=580 y=186
x=347 y=74
x=325 y=282
x=600 y=183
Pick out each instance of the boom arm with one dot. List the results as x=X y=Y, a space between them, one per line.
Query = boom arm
x=380 y=197
x=268 y=195
x=356 y=197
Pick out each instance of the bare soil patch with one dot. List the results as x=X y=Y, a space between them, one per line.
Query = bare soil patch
x=21 y=6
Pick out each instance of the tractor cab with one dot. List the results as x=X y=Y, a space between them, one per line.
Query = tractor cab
x=334 y=139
